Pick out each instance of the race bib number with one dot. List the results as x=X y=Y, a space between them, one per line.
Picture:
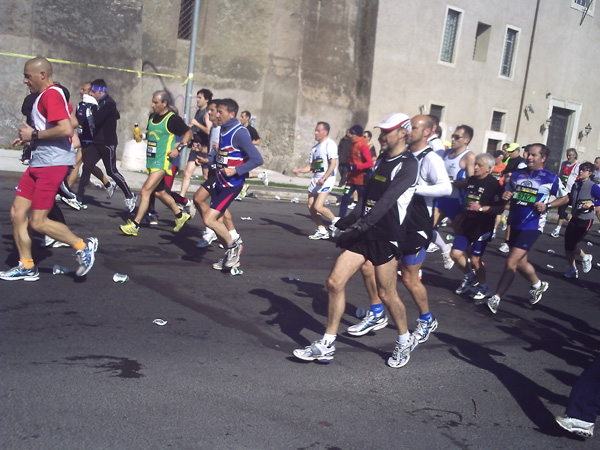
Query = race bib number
x=472 y=198
x=222 y=160
x=368 y=205
x=525 y=195
x=151 y=149
x=317 y=165
x=585 y=206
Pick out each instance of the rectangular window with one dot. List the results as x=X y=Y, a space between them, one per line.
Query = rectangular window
x=482 y=41
x=436 y=110
x=186 y=13
x=584 y=6
x=510 y=47
x=497 y=121
x=450 y=34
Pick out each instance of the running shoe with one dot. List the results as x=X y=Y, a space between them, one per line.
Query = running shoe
x=130 y=203
x=432 y=248
x=320 y=233
x=264 y=178
x=493 y=234
x=232 y=255
x=317 y=351
x=208 y=238
x=180 y=222
x=504 y=248
x=129 y=228
x=242 y=193
x=87 y=256
x=51 y=242
x=481 y=292
x=72 y=202
x=493 y=303
x=191 y=206
x=20 y=273
x=580 y=427
x=586 y=263
x=422 y=331
x=401 y=353
x=335 y=231
x=110 y=190
x=218 y=265
x=351 y=206
x=504 y=223
x=448 y=262
x=572 y=273
x=468 y=281
x=555 y=233
x=536 y=294
x=152 y=219
x=369 y=323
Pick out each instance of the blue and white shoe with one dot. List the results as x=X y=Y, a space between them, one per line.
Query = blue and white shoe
x=317 y=351
x=86 y=257
x=110 y=190
x=423 y=330
x=20 y=273
x=369 y=323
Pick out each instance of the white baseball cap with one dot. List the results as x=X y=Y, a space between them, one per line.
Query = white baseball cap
x=394 y=121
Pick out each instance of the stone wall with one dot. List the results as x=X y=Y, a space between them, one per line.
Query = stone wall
x=291 y=63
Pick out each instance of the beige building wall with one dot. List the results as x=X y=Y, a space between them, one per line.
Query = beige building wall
x=408 y=75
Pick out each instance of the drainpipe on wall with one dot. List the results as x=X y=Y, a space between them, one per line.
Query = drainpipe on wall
x=191 y=61
x=537 y=8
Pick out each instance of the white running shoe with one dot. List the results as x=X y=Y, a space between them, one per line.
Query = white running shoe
x=208 y=238
x=264 y=177
x=369 y=323
x=72 y=202
x=448 y=262
x=320 y=233
x=586 y=263
x=580 y=427
x=130 y=203
x=423 y=330
x=504 y=248
x=493 y=303
x=110 y=190
x=86 y=257
x=555 y=233
x=536 y=294
x=401 y=353
x=480 y=293
x=432 y=248
x=317 y=351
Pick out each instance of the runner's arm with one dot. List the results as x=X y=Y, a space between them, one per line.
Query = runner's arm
x=403 y=180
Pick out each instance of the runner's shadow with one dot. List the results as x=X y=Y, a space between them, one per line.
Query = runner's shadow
x=526 y=392
x=289 y=228
x=292 y=320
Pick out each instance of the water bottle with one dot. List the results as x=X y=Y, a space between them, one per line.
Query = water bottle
x=137 y=133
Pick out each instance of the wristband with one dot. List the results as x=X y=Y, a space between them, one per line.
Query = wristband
x=34 y=135
x=480 y=209
x=548 y=206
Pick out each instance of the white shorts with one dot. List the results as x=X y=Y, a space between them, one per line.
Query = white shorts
x=315 y=188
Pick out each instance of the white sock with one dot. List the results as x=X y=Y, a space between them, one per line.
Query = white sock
x=536 y=285
x=234 y=234
x=403 y=338
x=328 y=339
x=439 y=241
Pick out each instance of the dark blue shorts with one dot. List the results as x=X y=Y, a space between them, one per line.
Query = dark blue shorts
x=222 y=196
x=523 y=239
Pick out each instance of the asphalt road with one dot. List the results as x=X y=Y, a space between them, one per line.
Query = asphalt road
x=84 y=366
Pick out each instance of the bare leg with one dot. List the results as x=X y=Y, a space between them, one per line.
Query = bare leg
x=345 y=266
x=410 y=278
x=386 y=276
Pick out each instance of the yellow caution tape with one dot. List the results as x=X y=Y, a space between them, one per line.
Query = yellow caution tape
x=139 y=73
